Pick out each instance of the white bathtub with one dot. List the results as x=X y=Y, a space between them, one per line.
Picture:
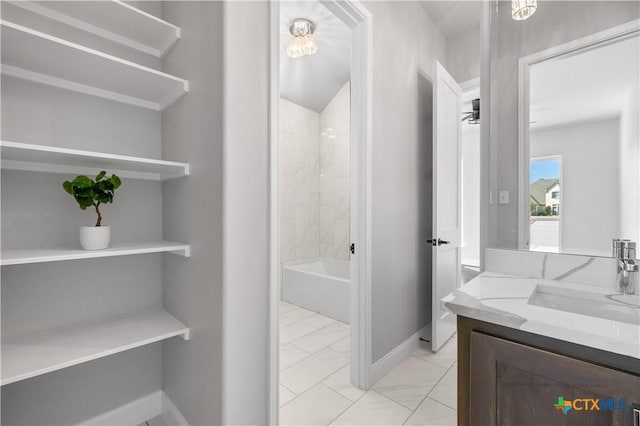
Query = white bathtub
x=320 y=285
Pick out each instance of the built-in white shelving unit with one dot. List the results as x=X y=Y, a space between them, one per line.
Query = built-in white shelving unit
x=40 y=158
x=112 y=20
x=39 y=57
x=25 y=256
x=32 y=355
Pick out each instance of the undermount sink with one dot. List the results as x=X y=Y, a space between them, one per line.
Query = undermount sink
x=615 y=307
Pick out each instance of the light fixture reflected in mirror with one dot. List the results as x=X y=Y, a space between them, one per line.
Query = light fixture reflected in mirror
x=302 y=42
x=523 y=9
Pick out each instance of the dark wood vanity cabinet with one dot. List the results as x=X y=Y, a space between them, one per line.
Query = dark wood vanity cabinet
x=510 y=377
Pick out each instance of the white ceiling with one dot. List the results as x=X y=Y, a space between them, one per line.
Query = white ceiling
x=312 y=81
x=588 y=85
x=454 y=16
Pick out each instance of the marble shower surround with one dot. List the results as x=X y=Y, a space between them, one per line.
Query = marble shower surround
x=335 y=177
x=314 y=180
x=299 y=177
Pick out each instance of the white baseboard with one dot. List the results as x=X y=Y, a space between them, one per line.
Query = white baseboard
x=170 y=413
x=394 y=357
x=140 y=410
x=133 y=413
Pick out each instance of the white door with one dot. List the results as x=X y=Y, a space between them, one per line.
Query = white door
x=446 y=202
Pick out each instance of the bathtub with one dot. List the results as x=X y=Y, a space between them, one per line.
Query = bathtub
x=320 y=285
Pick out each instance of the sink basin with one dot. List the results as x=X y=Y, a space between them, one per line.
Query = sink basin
x=615 y=307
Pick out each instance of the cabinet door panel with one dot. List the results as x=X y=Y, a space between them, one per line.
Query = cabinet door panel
x=526 y=399
x=515 y=384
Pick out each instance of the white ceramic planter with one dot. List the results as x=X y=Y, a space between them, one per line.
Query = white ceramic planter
x=95 y=237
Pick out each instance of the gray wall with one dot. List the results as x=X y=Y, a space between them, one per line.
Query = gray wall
x=78 y=393
x=36 y=212
x=192 y=209
x=246 y=218
x=18 y=15
x=44 y=115
x=553 y=23
x=405 y=45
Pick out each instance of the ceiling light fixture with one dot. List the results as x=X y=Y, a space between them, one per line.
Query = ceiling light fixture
x=523 y=9
x=302 y=42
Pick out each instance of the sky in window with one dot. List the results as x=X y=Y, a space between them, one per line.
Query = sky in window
x=545 y=169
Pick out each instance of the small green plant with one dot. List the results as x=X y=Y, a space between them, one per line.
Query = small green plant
x=88 y=192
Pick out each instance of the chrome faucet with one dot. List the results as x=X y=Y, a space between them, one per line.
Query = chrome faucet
x=624 y=251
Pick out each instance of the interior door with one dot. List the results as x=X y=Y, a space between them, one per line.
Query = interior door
x=446 y=202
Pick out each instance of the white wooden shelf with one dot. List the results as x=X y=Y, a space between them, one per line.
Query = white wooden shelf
x=42 y=58
x=31 y=355
x=40 y=158
x=113 y=20
x=25 y=256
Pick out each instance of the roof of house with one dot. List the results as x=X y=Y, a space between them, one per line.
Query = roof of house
x=539 y=188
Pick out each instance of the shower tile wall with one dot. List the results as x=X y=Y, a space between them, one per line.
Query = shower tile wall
x=314 y=180
x=299 y=175
x=335 y=206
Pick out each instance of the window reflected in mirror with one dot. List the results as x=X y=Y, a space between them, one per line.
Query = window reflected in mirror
x=544 y=197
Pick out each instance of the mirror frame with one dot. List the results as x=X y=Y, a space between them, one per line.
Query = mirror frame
x=630 y=29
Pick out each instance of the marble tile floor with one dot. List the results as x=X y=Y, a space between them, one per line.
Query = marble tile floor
x=315 y=386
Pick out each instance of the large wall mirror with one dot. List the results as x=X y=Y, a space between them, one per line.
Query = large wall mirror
x=579 y=143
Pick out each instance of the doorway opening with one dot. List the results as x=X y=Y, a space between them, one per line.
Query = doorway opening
x=314 y=188
x=320 y=156
x=470 y=188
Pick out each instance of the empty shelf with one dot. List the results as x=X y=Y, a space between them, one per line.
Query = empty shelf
x=42 y=58
x=25 y=256
x=112 y=20
x=39 y=158
x=35 y=354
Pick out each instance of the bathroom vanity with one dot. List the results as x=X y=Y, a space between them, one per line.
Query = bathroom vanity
x=546 y=338
x=540 y=351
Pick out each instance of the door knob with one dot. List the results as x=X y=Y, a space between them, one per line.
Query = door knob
x=438 y=242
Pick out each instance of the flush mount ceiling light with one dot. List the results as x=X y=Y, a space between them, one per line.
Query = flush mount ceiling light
x=523 y=9
x=302 y=42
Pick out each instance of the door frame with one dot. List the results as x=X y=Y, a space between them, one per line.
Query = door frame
x=468 y=86
x=442 y=78
x=628 y=29
x=359 y=19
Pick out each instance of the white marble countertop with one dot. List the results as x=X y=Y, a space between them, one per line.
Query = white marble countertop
x=504 y=299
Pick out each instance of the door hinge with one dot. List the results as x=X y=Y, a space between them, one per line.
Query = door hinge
x=352 y=248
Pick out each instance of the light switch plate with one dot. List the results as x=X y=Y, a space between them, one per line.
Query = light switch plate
x=503 y=197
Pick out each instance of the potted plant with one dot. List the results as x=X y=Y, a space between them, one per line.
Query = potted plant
x=87 y=193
